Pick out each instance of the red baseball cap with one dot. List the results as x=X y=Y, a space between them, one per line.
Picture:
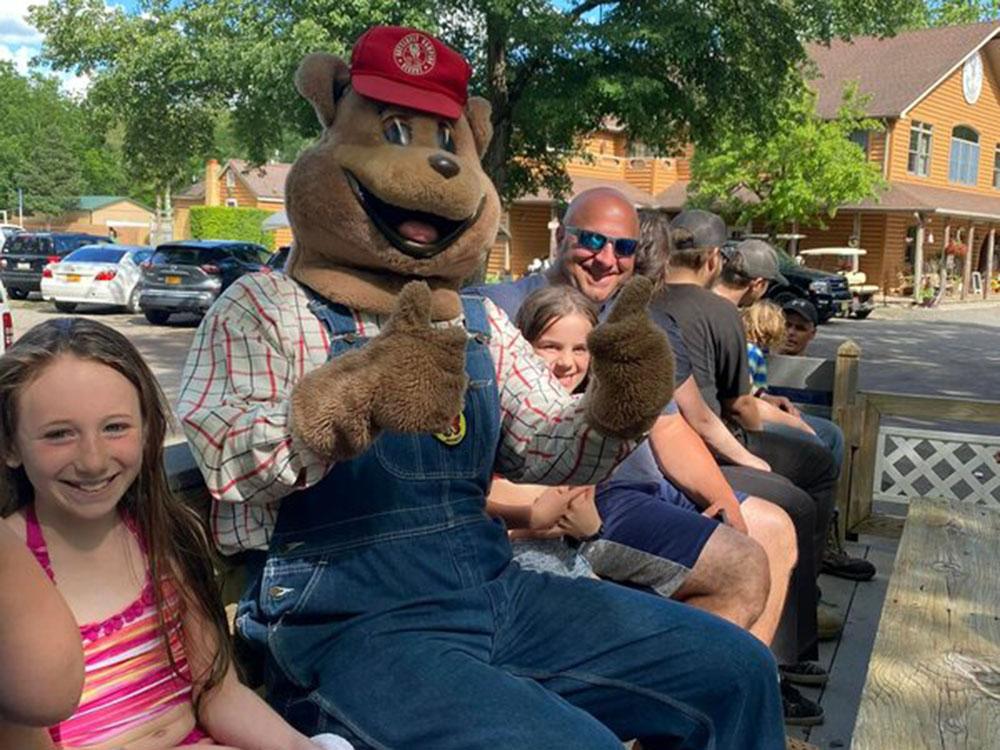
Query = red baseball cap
x=410 y=68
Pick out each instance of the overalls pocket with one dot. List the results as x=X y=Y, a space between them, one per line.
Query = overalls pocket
x=286 y=585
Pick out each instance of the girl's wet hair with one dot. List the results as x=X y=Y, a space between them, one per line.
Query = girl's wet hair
x=655 y=245
x=176 y=543
x=543 y=307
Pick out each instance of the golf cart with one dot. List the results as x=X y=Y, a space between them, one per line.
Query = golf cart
x=862 y=293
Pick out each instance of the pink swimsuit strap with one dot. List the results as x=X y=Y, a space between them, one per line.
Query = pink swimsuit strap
x=91 y=631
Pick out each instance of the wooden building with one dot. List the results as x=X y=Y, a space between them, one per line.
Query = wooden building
x=937 y=91
x=128 y=221
x=236 y=184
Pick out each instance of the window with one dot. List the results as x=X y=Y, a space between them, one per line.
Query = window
x=919 y=161
x=963 y=167
x=230 y=179
x=860 y=137
x=996 y=167
x=231 y=203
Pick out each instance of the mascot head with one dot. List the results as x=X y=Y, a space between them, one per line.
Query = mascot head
x=393 y=190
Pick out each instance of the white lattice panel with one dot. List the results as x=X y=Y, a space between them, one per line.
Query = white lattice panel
x=947 y=465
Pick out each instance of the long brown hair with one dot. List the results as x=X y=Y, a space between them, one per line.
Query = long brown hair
x=176 y=543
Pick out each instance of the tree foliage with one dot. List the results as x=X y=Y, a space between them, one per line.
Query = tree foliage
x=954 y=12
x=54 y=148
x=802 y=172
x=553 y=71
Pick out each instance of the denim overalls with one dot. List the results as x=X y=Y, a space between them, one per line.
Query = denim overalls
x=392 y=616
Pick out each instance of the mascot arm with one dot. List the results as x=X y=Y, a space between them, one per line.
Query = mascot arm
x=544 y=437
x=235 y=398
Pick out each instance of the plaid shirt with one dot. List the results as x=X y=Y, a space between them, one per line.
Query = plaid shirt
x=257 y=342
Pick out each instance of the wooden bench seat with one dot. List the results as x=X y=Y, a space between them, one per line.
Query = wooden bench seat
x=934 y=675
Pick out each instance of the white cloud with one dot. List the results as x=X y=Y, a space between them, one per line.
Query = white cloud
x=20 y=56
x=14 y=28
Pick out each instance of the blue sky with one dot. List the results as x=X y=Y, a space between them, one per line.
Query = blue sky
x=19 y=42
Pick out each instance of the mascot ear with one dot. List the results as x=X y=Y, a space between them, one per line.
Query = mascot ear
x=477 y=112
x=322 y=78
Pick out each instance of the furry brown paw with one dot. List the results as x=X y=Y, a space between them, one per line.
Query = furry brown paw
x=421 y=369
x=632 y=367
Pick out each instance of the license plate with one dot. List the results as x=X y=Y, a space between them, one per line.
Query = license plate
x=72 y=277
x=23 y=266
x=172 y=279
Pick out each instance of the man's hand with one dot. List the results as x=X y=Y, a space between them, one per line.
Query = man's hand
x=732 y=515
x=549 y=507
x=755 y=462
x=581 y=518
x=782 y=403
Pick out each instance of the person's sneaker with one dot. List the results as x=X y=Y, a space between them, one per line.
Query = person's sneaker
x=829 y=623
x=836 y=561
x=799 y=711
x=804 y=673
x=842 y=565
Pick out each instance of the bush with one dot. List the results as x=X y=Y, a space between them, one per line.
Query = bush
x=224 y=223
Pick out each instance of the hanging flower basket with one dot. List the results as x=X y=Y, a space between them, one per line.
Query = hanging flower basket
x=958 y=249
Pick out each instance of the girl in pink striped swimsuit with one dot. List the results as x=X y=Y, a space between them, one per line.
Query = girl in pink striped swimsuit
x=82 y=423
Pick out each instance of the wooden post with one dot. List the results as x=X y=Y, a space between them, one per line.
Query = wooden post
x=988 y=281
x=967 y=264
x=846 y=416
x=863 y=465
x=918 y=261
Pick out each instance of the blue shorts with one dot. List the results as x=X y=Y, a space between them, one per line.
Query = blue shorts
x=653 y=534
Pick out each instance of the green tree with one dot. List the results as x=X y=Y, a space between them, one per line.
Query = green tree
x=954 y=12
x=50 y=177
x=669 y=71
x=802 y=172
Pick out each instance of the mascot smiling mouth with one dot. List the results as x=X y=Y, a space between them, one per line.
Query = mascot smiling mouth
x=416 y=234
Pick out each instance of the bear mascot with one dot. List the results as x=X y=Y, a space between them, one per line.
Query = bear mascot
x=348 y=416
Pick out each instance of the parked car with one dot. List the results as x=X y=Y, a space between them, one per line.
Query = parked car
x=25 y=256
x=828 y=292
x=189 y=275
x=862 y=293
x=9 y=230
x=6 y=322
x=96 y=275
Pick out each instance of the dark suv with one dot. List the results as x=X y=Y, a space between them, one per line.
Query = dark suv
x=189 y=275
x=828 y=292
x=26 y=254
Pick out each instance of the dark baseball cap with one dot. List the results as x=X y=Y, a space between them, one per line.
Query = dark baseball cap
x=412 y=69
x=802 y=307
x=755 y=259
x=706 y=230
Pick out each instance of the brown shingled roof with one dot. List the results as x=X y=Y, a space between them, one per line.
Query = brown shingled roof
x=927 y=199
x=266 y=181
x=896 y=71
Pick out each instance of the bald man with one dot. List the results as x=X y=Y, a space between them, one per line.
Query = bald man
x=742 y=577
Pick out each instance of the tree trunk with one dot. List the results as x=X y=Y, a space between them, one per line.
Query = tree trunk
x=498 y=92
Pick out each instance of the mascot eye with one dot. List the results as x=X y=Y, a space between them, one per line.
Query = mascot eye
x=397 y=131
x=444 y=138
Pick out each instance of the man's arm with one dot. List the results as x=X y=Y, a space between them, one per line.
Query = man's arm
x=711 y=429
x=688 y=464
x=236 y=389
x=743 y=409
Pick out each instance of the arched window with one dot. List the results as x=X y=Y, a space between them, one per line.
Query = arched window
x=964 y=164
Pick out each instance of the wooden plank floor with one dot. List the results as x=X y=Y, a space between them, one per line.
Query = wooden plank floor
x=847 y=658
x=934 y=680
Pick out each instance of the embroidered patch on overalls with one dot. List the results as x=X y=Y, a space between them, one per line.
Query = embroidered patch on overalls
x=455 y=432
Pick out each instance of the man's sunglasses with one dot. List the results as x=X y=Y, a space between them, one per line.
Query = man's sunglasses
x=594 y=242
